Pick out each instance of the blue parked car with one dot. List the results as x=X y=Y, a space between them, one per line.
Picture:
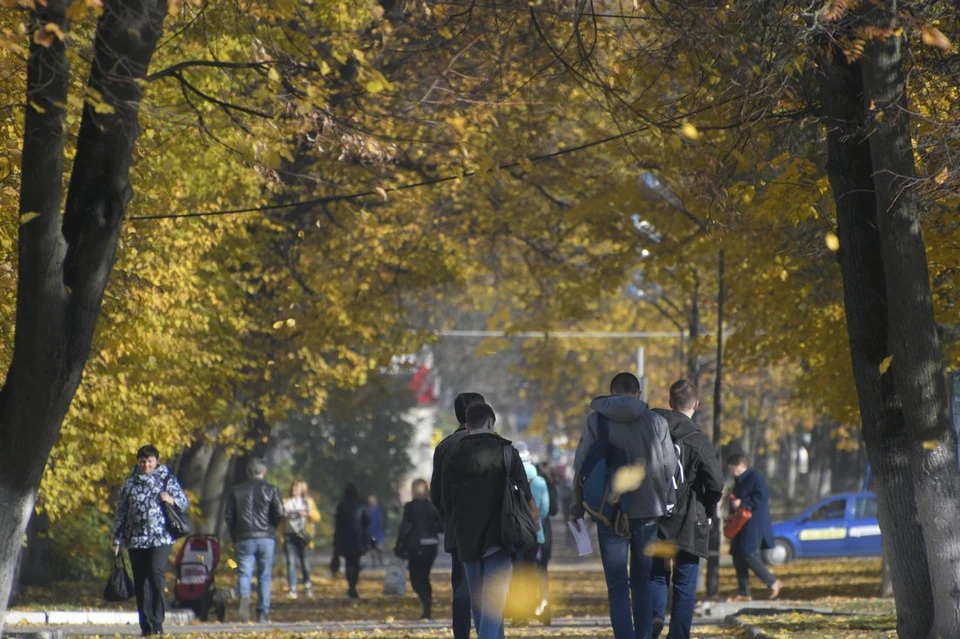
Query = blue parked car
x=839 y=526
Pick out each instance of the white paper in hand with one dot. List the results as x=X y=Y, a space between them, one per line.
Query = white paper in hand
x=582 y=537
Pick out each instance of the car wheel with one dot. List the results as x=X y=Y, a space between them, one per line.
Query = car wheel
x=781 y=553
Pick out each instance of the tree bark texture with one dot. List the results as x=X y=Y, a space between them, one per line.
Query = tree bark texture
x=65 y=261
x=884 y=430
x=913 y=341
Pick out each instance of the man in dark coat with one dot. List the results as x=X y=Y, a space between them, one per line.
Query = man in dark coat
x=254 y=510
x=474 y=482
x=689 y=524
x=750 y=491
x=461 y=593
x=351 y=535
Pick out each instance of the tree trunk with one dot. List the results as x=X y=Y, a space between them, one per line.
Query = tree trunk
x=850 y=170
x=215 y=486
x=793 y=447
x=194 y=463
x=913 y=340
x=65 y=261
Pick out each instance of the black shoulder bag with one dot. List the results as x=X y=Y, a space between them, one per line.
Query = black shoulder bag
x=178 y=523
x=518 y=531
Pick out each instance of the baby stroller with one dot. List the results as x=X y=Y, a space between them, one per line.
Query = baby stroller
x=196 y=564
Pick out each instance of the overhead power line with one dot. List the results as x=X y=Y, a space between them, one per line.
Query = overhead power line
x=566 y=334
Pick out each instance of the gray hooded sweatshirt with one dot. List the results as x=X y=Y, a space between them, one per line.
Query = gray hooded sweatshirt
x=645 y=438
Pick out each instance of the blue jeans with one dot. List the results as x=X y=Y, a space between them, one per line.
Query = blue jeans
x=686 y=568
x=461 y=599
x=489 y=582
x=624 y=578
x=256 y=553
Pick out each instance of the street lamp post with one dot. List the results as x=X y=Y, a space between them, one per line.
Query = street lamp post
x=713 y=559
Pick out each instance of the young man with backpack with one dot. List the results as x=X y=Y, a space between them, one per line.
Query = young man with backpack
x=479 y=475
x=458 y=581
x=699 y=481
x=623 y=433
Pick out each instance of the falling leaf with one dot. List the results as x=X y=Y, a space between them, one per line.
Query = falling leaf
x=931 y=444
x=885 y=364
x=26 y=217
x=941 y=176
x=43 y=38
x=690 y=131
x=54 y=28
x=278 y=324
x=933 y=37
x=784 y=275
x=291 y=323
x=273 y=74
x=833 y=242
x=232 y=564
x=661 y=548
x=628 y=478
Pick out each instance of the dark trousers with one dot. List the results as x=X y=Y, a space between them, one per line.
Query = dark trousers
x=744 y=564
x=352 y=570
x=686 y=568
x=296 y=549
x=462 y=609
x=420 y=565
x=148 y=566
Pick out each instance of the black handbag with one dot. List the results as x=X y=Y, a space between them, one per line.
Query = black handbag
x=518 y=531
x=119 y=585
x=177 y=522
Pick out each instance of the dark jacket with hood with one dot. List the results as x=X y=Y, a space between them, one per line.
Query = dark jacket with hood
x=254 y=510
x=474 y=479
x=757 y=533
x=703 y=486
x=644 y=438
x=436 y=483
x=351 y=533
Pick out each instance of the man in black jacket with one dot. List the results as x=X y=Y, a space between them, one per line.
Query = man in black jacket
x=254 y=510
x=474 y=483
x=461 y=593
x=689 y=525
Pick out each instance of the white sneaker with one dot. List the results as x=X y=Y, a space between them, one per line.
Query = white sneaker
x=292 y=594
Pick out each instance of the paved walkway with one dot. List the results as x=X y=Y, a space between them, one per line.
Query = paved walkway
x=713 y=615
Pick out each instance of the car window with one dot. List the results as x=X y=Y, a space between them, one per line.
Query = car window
x=835 y=510
x=865 y=508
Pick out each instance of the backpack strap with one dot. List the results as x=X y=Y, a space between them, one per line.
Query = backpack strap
x=507 y=460
x=603 y=430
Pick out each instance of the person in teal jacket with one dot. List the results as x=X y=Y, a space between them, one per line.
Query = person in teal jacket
x=541 y=496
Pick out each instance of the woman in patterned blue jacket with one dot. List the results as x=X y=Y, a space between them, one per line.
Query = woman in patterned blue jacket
x=141 y=527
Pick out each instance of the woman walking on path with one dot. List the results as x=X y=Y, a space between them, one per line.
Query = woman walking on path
x=140 y=526
x=419 y=539
x=750 y=492
x=301 y=516
x=351 y=535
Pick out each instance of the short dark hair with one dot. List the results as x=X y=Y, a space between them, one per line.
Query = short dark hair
x=463 y=402
x=478 y=414
x=683 y=395
x=625 y=384
x=350 y=491
x=148 y=451
x=737 y=459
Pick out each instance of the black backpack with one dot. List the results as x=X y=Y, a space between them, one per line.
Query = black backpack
x=679 y=490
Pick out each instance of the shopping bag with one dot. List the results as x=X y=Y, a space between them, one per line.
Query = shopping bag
x=119 y=586
x=395 y=578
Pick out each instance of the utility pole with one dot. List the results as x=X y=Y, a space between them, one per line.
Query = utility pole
x=713 y=559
